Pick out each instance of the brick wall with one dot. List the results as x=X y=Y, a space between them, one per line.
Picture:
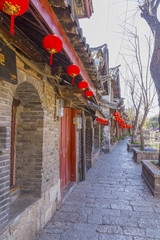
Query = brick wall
x=5 y=133
x=36 y=138
x=29 y=140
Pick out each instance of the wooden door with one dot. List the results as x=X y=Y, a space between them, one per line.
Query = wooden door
x=65 y=161
x=67 y=148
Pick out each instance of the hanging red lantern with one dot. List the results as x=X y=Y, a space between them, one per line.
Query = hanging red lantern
x=52 y=44
x=105 y=122
x=73 y=71
x=88 y=94
x=98 y=120
x=116 y=114
x=14 y=8
x=83 y=85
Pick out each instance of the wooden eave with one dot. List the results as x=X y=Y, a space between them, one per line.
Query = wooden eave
x=74 y=33
x=29 y=34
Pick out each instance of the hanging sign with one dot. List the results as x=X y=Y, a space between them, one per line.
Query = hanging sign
x=8 y=69
x=74 y=120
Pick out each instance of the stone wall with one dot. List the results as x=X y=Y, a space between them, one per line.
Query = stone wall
x=36 y=141
x=29 y=140
x=34 y=217
x=130 y=146
x=151 y=175
x=139 y=155
x=5 y=138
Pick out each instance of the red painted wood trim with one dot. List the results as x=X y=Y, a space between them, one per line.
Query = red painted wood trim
x=88 y=8
x=43 y=8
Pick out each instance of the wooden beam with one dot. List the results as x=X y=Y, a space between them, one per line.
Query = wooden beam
x=43 y=8
x=19 y=40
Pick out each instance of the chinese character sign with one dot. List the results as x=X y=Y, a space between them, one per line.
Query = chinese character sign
x=8 y=69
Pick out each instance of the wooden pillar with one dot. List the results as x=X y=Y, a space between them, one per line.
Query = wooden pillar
x=117 y=126
x=83 y=147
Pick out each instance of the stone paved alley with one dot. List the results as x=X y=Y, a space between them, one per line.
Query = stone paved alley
x=113 y=203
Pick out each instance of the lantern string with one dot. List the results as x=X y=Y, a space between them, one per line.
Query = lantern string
x=12 y=24
x=51 y=58
x=73 y=81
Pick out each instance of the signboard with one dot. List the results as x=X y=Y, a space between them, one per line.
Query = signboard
x=74 y=120
x=8 y=69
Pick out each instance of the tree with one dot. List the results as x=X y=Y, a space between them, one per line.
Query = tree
x=139 y=80
x=149 y=13
x=152 y=122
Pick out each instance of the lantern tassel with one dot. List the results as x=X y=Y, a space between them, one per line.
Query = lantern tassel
x=73 y=81
x=87 y=99
x=12 y=24
x=83 y=93
x=51 y=58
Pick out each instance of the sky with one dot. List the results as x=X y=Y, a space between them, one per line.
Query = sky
x=107 y=24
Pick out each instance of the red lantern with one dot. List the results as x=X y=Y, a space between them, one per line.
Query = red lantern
x=105 y=122
x=98 y=120
x=14 y=8
x=116 y=114
x=83 y=85
x=88 y=94
x=52 y=44
x=73 y=71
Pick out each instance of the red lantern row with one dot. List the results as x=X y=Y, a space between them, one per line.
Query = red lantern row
x=121 y=121
x=54 y=44
x=51 y=43
x=101 y=121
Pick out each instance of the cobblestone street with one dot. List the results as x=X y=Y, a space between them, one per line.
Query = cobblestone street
x=113 y=203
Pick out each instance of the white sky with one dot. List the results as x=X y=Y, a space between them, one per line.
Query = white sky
x=106 y=26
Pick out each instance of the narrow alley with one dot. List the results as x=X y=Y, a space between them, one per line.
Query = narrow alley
x=113 y=203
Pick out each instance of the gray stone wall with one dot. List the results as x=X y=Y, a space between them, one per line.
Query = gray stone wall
x=151 y=175
x=29 y=140
x=5 y=135
x=139 y=155
x=51 y=131
x=36 y=139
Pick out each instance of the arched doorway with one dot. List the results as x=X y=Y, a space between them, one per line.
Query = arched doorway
x=27 y=140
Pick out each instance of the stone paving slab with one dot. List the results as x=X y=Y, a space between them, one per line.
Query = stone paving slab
x=113 y=203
